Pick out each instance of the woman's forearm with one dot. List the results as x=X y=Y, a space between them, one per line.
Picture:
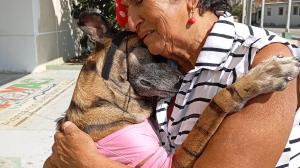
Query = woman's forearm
x=255 y=136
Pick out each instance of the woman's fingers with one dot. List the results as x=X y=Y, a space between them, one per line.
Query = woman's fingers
x=54 y=148
x=72 y=147
x=58 y=136
x=69 y=128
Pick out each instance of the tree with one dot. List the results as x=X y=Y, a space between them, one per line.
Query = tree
x=237 y=10
x=105 y=8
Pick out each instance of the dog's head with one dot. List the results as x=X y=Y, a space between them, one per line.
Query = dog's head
x=95 y=26
x=131 y=61
x=152 y=75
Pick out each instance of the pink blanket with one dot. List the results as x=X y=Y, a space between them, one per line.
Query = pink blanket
x=133 y=144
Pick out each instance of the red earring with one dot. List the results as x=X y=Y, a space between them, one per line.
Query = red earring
x=192 y=20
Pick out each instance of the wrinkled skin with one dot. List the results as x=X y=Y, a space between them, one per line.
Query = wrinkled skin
x=166 y=32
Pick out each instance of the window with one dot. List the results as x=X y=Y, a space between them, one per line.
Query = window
x=280 y=11
x=295 y=10
x=269 y=11
x=259 y=14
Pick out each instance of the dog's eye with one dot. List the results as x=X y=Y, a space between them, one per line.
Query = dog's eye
x=145 y=83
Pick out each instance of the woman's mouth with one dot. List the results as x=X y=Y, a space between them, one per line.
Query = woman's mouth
x=146 y=34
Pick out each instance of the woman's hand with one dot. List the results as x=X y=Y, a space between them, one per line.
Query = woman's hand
x=74 y=148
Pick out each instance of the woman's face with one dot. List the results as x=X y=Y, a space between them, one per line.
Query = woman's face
x=161 y=24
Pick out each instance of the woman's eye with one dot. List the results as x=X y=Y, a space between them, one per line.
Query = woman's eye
x=139 y=2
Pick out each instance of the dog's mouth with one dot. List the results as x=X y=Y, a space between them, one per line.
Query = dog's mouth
x=155 y=92
x=165 y=94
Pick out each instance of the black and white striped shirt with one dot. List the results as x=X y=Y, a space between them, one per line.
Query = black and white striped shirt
x=227 y=54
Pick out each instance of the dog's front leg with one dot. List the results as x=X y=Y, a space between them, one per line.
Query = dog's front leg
x=270 y=75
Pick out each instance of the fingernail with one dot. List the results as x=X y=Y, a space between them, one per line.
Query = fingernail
x=279 y=56
x=289 y=78
x=65 y=125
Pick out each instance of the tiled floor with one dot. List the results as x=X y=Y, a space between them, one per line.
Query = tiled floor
x=29 y=107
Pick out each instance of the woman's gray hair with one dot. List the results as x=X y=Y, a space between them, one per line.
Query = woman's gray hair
x=214 y=5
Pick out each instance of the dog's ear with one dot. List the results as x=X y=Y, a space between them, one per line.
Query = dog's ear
x=94 y=25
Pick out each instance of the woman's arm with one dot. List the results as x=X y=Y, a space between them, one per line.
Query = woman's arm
x=76 y=149
x=257 y=135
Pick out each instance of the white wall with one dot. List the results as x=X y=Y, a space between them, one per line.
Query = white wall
x=33 y=32
x=55 y=30
x=17 y=49
x=275 y=18
x=295 y=19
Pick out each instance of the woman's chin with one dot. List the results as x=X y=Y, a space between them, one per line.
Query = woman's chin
x=155 y=48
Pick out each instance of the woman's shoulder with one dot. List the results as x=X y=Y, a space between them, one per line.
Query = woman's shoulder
x=270 y=50
x=244 y=31
x=264 y=43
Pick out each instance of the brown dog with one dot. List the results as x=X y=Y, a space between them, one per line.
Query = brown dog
x=100 y=107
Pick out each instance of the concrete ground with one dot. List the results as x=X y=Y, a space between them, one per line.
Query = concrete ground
x=294 y=31
x=29 y=107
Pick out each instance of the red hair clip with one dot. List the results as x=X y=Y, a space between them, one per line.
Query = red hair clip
x=121 y=13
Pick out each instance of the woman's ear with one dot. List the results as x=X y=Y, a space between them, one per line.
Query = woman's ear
x=93 y=25
x=192 y=4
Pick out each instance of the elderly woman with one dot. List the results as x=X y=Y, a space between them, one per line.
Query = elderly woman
x=213 y=51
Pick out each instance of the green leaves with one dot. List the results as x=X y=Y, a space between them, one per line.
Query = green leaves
x=104 y=7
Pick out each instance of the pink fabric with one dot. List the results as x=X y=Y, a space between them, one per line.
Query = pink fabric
x=134 y=143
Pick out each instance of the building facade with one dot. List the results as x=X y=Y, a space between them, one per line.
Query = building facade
x=34 y=32
x=275 y=14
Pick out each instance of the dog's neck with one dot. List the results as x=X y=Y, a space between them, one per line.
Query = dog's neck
x=124 y=95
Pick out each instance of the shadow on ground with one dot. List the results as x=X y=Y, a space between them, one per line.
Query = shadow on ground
x=9 y=77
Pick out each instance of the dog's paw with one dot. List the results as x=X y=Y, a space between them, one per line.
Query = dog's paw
x=274 y=74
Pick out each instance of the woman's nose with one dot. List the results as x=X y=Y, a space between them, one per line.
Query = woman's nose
x=133 y=22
